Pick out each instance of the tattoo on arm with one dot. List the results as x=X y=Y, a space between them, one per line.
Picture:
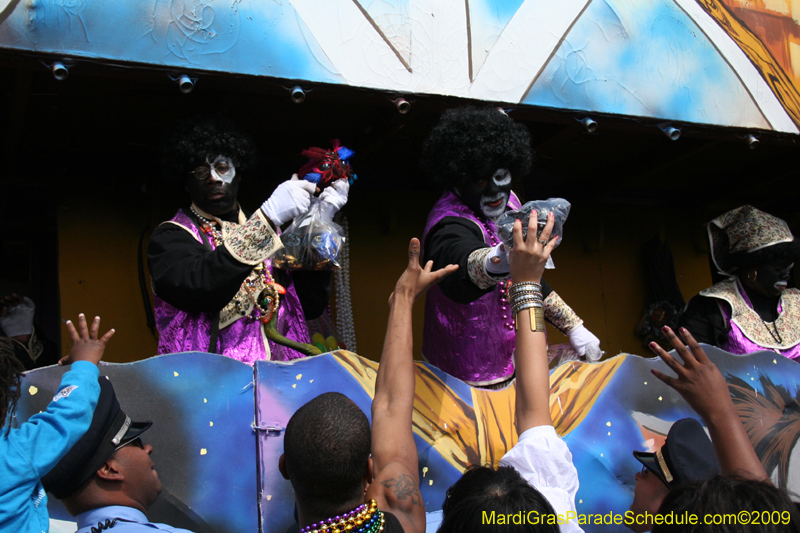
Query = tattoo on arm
x=404 y=488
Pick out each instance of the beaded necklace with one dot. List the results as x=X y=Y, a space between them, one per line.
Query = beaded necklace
x=366 y=518
x=344 y=304
x=265 y=304
x=503 y=285
x=776 y=336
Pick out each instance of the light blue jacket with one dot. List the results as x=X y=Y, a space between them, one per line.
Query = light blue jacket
x=30 y=451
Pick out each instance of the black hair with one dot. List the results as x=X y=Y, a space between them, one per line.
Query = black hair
x=483 y=495
x=10 y=371
x=722 y=499
x=785 y=250
x=471 y=143
x=191 y=142
x=326 y=448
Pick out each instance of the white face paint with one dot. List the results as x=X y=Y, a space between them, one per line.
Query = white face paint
x=494 y=203
x=222 y=169
x=502 y=177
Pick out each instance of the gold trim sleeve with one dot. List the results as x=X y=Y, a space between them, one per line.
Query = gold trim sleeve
x=476 y=268
x=253 y=242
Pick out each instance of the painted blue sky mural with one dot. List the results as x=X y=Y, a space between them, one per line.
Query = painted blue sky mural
x=661 y=59
x=644 y=60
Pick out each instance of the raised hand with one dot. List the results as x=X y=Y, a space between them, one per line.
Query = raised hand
x=698 y=380
x=334 y=197
x=85 y=344
x=529 y=255
x=415 y=280
x=289 y=199
x=701 y=384
x=9 y=301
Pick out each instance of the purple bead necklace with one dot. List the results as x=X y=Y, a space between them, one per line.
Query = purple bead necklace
x=502 y=286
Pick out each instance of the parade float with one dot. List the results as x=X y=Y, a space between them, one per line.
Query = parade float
x=700 y=88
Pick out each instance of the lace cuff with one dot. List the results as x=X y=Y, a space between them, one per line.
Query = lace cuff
x=252 y=242
x=559 y=314
x=476 y=268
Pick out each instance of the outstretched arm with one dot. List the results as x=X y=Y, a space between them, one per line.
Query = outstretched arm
x=533 y=383
x=540 y=456
x=453 y=241
x=701 y=384
x=394 y=453
x=47 y=436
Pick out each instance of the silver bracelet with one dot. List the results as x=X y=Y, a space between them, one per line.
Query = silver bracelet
x=524 y=285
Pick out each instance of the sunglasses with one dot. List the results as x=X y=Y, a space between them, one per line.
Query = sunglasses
x=203 y=172
x=646 y=470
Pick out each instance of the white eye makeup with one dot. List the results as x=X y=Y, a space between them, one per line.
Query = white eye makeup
x=222 y=169
x=501 y=177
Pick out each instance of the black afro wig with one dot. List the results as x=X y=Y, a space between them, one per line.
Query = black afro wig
x=471 y=143
x=193 y=141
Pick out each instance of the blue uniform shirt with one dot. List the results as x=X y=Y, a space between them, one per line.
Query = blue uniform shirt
x=128 y=520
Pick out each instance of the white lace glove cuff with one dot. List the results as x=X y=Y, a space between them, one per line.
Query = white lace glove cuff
x=19 y=320
x=290 y=199
x=497 y=260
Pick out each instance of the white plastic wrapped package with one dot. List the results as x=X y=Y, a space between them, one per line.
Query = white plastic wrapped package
x=558 y=206
x=312 y=242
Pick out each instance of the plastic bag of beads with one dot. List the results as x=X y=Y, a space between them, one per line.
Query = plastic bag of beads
x=312 y=242
x=558 y=206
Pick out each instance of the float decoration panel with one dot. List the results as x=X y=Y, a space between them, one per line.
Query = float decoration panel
x=201 y=406
x=732 y=63
x=218 y=426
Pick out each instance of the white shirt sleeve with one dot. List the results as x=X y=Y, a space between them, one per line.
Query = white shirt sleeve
x=545 y=462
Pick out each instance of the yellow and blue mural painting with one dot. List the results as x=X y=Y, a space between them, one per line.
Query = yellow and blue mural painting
x=218 y=426
x=732 y=63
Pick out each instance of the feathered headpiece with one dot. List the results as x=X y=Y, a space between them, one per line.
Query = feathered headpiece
x=326 y=166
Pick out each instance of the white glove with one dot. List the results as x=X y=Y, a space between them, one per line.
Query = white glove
x=289 y=199
x=334 y=197
x=497 y=260
x=19 y=320
x=585 y=343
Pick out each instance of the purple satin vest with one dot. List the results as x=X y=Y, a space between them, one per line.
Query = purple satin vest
x=468 y=341
x=738 y=343
x=243 y=340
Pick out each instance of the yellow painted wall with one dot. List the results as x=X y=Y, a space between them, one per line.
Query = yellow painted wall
x=607 y=287
x=97 y=266
x=98 y=274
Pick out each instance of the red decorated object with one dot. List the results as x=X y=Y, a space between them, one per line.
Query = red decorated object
x=326 y=165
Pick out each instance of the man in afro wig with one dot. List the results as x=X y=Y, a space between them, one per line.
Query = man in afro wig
x=473 y=153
